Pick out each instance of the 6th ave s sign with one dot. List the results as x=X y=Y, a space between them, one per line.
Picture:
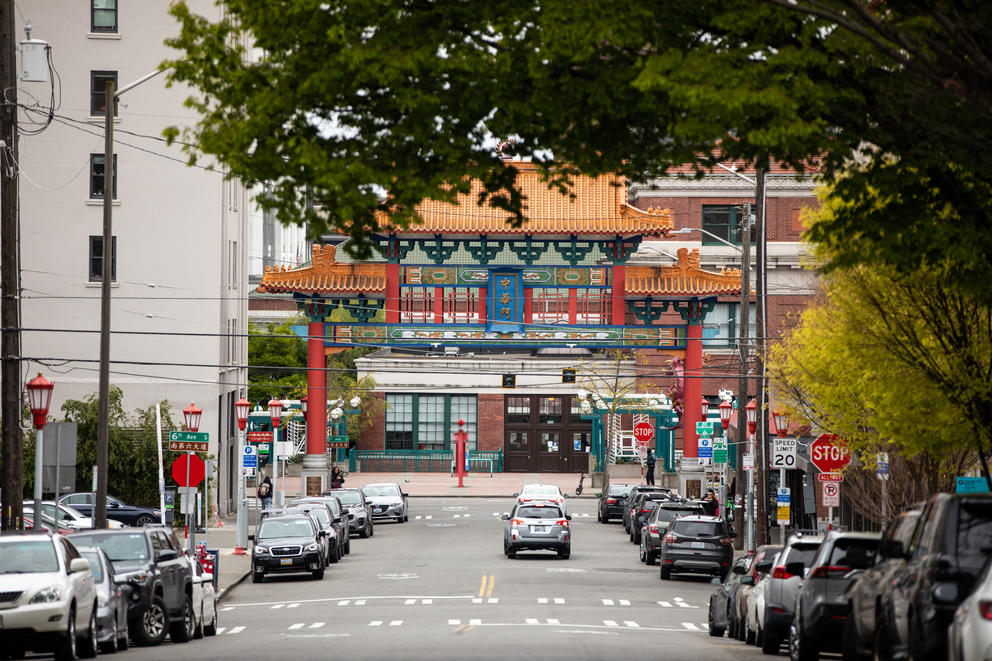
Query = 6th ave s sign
x=827 y=455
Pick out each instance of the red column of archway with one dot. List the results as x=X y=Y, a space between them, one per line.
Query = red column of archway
x=693 y=387
x=316 y=391
x=618 y=308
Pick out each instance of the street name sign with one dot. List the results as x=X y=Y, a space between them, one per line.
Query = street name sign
x=259 y=437
x=784 y=453
x=831 y=494
x=189 y=441
x=337 y=442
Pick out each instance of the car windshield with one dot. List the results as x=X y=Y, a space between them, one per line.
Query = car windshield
x=28 y=557
x=274 y=528
x=542 y=490
x=320 y=514
x=72 y=511
x=975 y=531
x=853 y=553
x=381 y=490
x=119 y=548
x=619 y=490
x=349 y=497
x=95 y=567
x=803 y=553
x=666 y=514
x=698 y=528
x=538 y=513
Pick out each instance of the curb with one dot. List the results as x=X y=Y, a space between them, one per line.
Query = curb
x=225 y=591
x=490 y=495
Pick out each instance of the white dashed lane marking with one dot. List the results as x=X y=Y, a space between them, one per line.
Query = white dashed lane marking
x=632 y=624
x=395 y=623
x=292 y=606
x=236 y=630
x=317 y=625
x=297 y=625
x=690 y=626
x=610 y=623
x=375 y=623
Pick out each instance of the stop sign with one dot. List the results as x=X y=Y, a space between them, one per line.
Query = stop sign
x=196 y=471
x=827 y=455
x=643 y=432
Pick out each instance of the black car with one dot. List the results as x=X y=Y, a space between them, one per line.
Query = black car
x=288 y=543
x=335 y=532
x=641 y=509
x=821 y=605
x=612 y=501
x=655 y=527
x=628 y=506
x=131 y=515
x=863 y=595
x=151 y=561
x=359 y=510
x=112 y=599
x=697 y=544
x=725 y=597
x=950 y=545
x=338 y=512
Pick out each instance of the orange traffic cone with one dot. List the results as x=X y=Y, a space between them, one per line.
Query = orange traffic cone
x=217 y=522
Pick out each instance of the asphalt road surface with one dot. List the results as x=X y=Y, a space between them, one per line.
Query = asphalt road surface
x=439 y=587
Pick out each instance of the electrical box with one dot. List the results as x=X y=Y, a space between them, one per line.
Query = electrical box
x=568 y=375
x=34 y=61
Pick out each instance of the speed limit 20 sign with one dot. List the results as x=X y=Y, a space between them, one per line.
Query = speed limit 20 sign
x=783 y=453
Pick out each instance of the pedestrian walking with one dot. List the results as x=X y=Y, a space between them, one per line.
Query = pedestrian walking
x=649 y=462
x=264 y=493
x=337 y=478
x=711 y=505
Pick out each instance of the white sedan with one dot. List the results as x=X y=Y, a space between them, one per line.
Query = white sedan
x=970 y=635
x=66 y=516
x=204 y=600
x=547 y=493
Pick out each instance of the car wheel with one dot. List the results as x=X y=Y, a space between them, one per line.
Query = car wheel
x=637 y=536
x=742 y=630
x=749 y=636
x=347 y=546
x=334 y=556
x=882 y=645
x=565 y=553
x=65 y=646
x=715 y=631
x=122 y=643
x=800 y=647
x=511 y=552
x=111 y=645
x=153 y=623
x=364 y=532
x=318 y=574
x=88 y=647
x=666 y=574
x=849 y=640
x=211 y=629
x=643 y=556
x=183 y=629
x=650 y=557
x=143 y=521
x=257 y=576
x=371 y=529
x=770 y=644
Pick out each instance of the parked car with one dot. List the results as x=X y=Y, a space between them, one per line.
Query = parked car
x=67 y=516
x=970 y=636
x=697 y=544
x=324 y=541
x=359 y=510
x=774 y=617
x=388 y=501
x=48 y=599
x=131 y=515
x=656 y=525
x=204 y=600
x=612 y=501
x=950 y=545
x=821 y=604
x=864 y=593
x=151 y=560
x=628 y=506
x=111 y=600
x=755 y=606
x=336 y=532
x=723 y=598
x=535 y=527
x=339 y=514
x=762 y=563
x=641 y=508
x=287 y=543
x=548 y=493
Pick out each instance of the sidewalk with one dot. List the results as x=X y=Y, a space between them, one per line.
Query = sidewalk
x=231 y=569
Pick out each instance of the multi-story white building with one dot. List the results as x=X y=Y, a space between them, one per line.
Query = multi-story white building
x=180 y=267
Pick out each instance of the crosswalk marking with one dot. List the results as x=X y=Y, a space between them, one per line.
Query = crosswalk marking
x=297 y=625
x=317 y=625
x=474 y=622
x=278 y=606
x=344 y=602
x=359 y=602
x=457 y=516
x=221 y=630
x=493 y=600
x=454 y=623
x=429 y=516
x=428 y=602
x=531 y=620
x=236 y=630
x=375 y=623
x=542 y=600
x=476 y=600
x=664 y=604
x=395 y=623
x=682 y=604
x=632 y=624
x=690 y=626
x=545 y=600
x=408 y=602
x=607 y=602
x=552 y=620
x=467 y=515
x=624 y=602
x=292 y=606
x=559 y=600
x=610 y=623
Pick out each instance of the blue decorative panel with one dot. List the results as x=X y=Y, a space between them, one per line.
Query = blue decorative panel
x=506 y=301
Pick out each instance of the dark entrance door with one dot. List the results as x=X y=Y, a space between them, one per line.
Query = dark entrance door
x=542 y=434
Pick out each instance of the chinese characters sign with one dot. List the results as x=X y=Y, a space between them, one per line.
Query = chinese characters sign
x=506 y=301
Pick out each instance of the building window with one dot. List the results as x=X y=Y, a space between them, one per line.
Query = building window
x=549 y=306
x=98 y=90
x=721 y=325
x=416 y=305
x=518 y=410
x=96 y=176
x=593 y=305
x=550 y=411
x=103 y=15
x=549 y=442
x=96 y=259
x=518 y=441
x=581 y=441
x=428 y=422
x=461 y=305
x=723 y=221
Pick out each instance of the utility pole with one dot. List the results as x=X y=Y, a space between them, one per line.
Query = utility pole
x=761 y=434
x=742 y=351
x=12 y=481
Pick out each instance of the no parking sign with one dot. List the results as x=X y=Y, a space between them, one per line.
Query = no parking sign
x=831 y=494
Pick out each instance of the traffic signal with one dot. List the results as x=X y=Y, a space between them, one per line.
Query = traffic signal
x=568 y=375
x=509 y=380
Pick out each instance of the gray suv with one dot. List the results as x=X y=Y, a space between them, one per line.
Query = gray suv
x=697 y=544
x=535 y=527
x=783 y=586
x=359 y=510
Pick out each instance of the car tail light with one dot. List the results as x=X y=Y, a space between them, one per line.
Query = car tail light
x=670 y=537
x=526 y=500
x=653 y=528
x=826 y=571
x=516 y=522
x=611 y=501
x=725 y=541
x=562 y=522
x=985 y=609
x=779 y=572
x=645 y=511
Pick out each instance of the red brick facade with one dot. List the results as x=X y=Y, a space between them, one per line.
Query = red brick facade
x=490 y=422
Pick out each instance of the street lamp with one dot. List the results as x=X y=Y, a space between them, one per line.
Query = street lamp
x=752 y=414
x=241 y=408
x=726 y=408
x=275 y=414
x=705 y=409
x=191 y=414
x=39 y=398
x=781 y=423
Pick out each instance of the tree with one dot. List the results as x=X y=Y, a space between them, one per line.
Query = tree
x=277 y=360
x=351 y=99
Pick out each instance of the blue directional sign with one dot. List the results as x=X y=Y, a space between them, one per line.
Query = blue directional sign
x=250 y=458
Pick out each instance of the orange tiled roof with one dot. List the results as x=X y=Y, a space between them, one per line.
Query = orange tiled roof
x=682 y=279
x=325 y=275
x=599 y=207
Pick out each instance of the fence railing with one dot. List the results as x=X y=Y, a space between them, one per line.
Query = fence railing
x=425 y=461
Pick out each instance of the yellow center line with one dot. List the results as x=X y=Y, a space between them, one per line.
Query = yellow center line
x=482 y=588
x=469 y=628
x=460 y=627
x=492 y=584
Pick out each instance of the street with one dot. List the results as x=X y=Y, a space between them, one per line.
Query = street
x=439 y=586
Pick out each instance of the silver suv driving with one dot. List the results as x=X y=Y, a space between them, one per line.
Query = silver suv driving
x=536 y=527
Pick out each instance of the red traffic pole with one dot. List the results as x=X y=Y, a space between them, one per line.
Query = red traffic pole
x=460 y=438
